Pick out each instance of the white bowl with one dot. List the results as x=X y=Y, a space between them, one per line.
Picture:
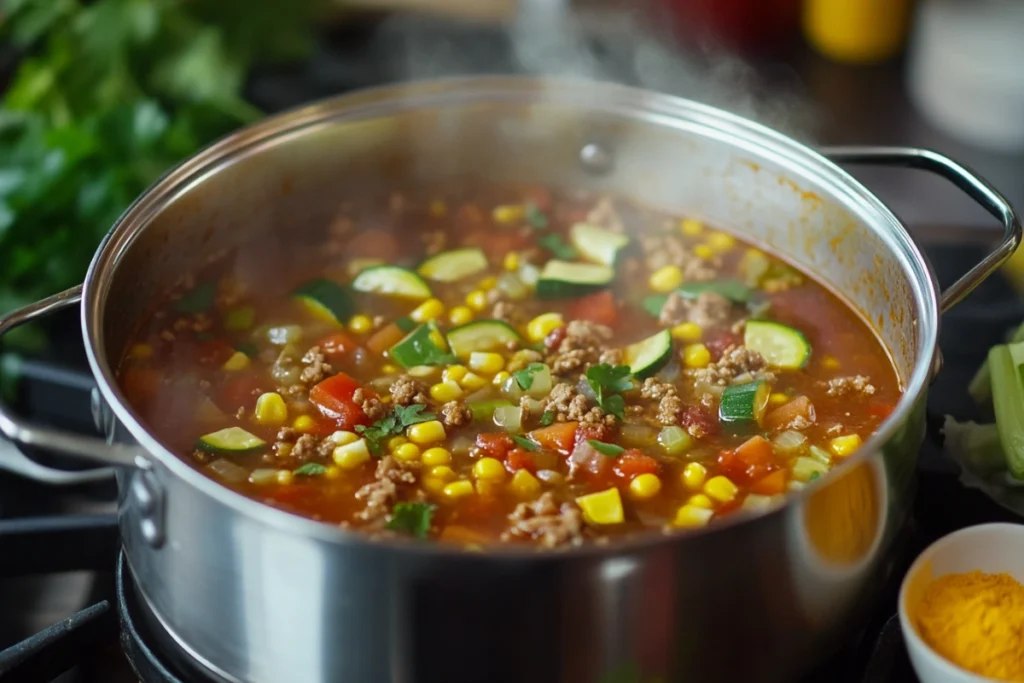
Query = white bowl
x=989 y=548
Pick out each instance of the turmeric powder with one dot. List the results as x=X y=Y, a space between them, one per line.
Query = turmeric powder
x=976 y=621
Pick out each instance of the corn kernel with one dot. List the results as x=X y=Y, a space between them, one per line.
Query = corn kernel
x=489 y=468
x=238 y=361
x=691 y=227
x=437 y=208
x=460 y=315
x=431 y=309
x=511 y=262
x=703 y=251
x=843 y=446
x=351 y=455
x=389 y=369
x=778 y=398
x=721 y=489
x=720 y=241
x=270 y=409
x=603 y=507
x=509 y=214
x=343 y=437
x=501 y=378
x=699 y=500
x=360 y=324
x=687 y=332
x=442 y=392
x=426 y=432
x=442 y=472
x=396 y=441
x=303 y=423
x=436 y=456
x=525 y=485
x=141 y=351
x=332 y=472
x=488 y=283
x=696 y=356
x=645 y=486
x=665 y=279
x=694 y=475
x=830 y=362
x=407 y=452
x=454 y=373
x=422 y=371
x=477 y=300
x=689 y=516
x=473 y=381
x=543 y=325
x=458 y=489
x=433 y=484
x=487 y=363
x=284 y=477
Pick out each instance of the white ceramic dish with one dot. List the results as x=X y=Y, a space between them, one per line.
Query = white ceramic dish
x=990 y=548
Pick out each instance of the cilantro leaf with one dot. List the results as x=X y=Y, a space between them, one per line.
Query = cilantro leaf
x=413 y=414
x=393 y=424
x=608 y=449
x=606 y=381
x=524 y=377
x=412 y=518
x=547 y=418
x=525 y=443
x=614 y=405
x=535 y=217
x=310 y=469
x=557 y=246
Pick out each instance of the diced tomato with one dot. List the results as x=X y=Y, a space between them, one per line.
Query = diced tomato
x=559 y=437
x=554 y=338
x=323 y=426
x=337 y=345
x=750 y=461
x=213 y=352
x=633 y=463
x=333 y=397
x=494 y=444
x=590 y=430
x=520 y=459
x=597 y=308
x=384 y=338
x=699 y=418
x=539 y=197
x=598 y=472
x=717 y=345
x=240 y=392
x=771 y=485
x=783 y=416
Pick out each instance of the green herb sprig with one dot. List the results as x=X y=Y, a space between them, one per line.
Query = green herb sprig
x=393 y=424
x=412 y=518
x=607 y=381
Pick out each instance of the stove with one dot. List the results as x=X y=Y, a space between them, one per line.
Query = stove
x=68 y=610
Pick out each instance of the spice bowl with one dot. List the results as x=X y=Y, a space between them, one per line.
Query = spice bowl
x=988 y=548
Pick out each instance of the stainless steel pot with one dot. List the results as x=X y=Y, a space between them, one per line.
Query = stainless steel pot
x=256 y=594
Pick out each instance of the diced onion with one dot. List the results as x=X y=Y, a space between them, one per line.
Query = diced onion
x=529 y=274
x=758 y=503
x=805 y=468
x=263 y=476
x=284 y=334
x=512 y=286
x=509 y=417
x=286 y=375
x=583 y=387
x=790 y=441
x=639 y=435
x=228 y=471
x=532 y=405
x=550 y=476
x=541 y=385
x=461 y=444
x=671 y=372
x=675 y=440
x=511 y=389
x=821 y=455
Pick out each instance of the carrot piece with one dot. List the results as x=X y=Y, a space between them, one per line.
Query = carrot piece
x=559 y=437
x=495 y=444
x=633 y=463
x=384 y=338
x=337 y=344
x=750 y=461
x=782 y=416
x=771 y=485
x=755 y=449
x=519 y=459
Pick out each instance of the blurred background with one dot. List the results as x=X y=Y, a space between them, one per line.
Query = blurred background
x=101 y=97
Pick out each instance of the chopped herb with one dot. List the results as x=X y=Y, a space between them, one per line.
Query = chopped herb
x=654 y=304
x=198 y=300
x=606 y=381
x=411 y=518
x=525 y=443
x=557 y=246
x=393 y=424
x=310 y=469
x=248 y=348
x=524 y=377
x=608 y=449
x=547 y=419
x=535 y=217
x=814 y=475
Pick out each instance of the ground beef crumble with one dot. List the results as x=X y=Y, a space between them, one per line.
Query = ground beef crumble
x=605 y=215
x=546 y=522
x=857 y=384
x=315 y=367
x=670 y=405
x=569 y=405
x=671 y=250
x=381 y=494
x=736 y=362
x=583 y=344
x=407 y=391
x=455 y=414
x=371 y=405
x=708 y=309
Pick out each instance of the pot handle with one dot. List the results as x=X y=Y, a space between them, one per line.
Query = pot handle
x=964 y=178
x=20 y=432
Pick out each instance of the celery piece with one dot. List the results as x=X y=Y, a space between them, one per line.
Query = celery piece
x=975 y=445
x=980 y=387
x=1005 y=362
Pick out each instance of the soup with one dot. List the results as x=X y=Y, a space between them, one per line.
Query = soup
x=520 y=367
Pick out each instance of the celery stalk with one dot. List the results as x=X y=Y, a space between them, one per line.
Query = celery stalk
x=1005 y=362
x=980 y=387
x=975 y=445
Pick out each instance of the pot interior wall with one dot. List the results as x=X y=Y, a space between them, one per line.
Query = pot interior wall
x=274 y=186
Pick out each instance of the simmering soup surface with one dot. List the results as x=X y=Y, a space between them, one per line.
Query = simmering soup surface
x=513 y=367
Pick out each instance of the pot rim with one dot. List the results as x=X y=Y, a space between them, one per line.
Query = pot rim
x=609 y=98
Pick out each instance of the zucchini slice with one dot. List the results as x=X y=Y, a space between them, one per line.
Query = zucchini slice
x=646 y=357
x=562 y=279
x=230 y=440
x=733 y=290
x=450 y=266
x=392 y=281
x=597 y=244
x=781 y=345
x=743 y=405
x=481 y=335
x=425 y=345
x=325 y=300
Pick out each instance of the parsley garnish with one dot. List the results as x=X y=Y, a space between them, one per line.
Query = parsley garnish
x=412 y=518
x=607 y=381
x=814 y=475
x=393 y=424
x=310 y=469
x=547 y=419
x=608 y=449
x=556 y=246
x=524 y=377
x=525 y=443
x=535 y=217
